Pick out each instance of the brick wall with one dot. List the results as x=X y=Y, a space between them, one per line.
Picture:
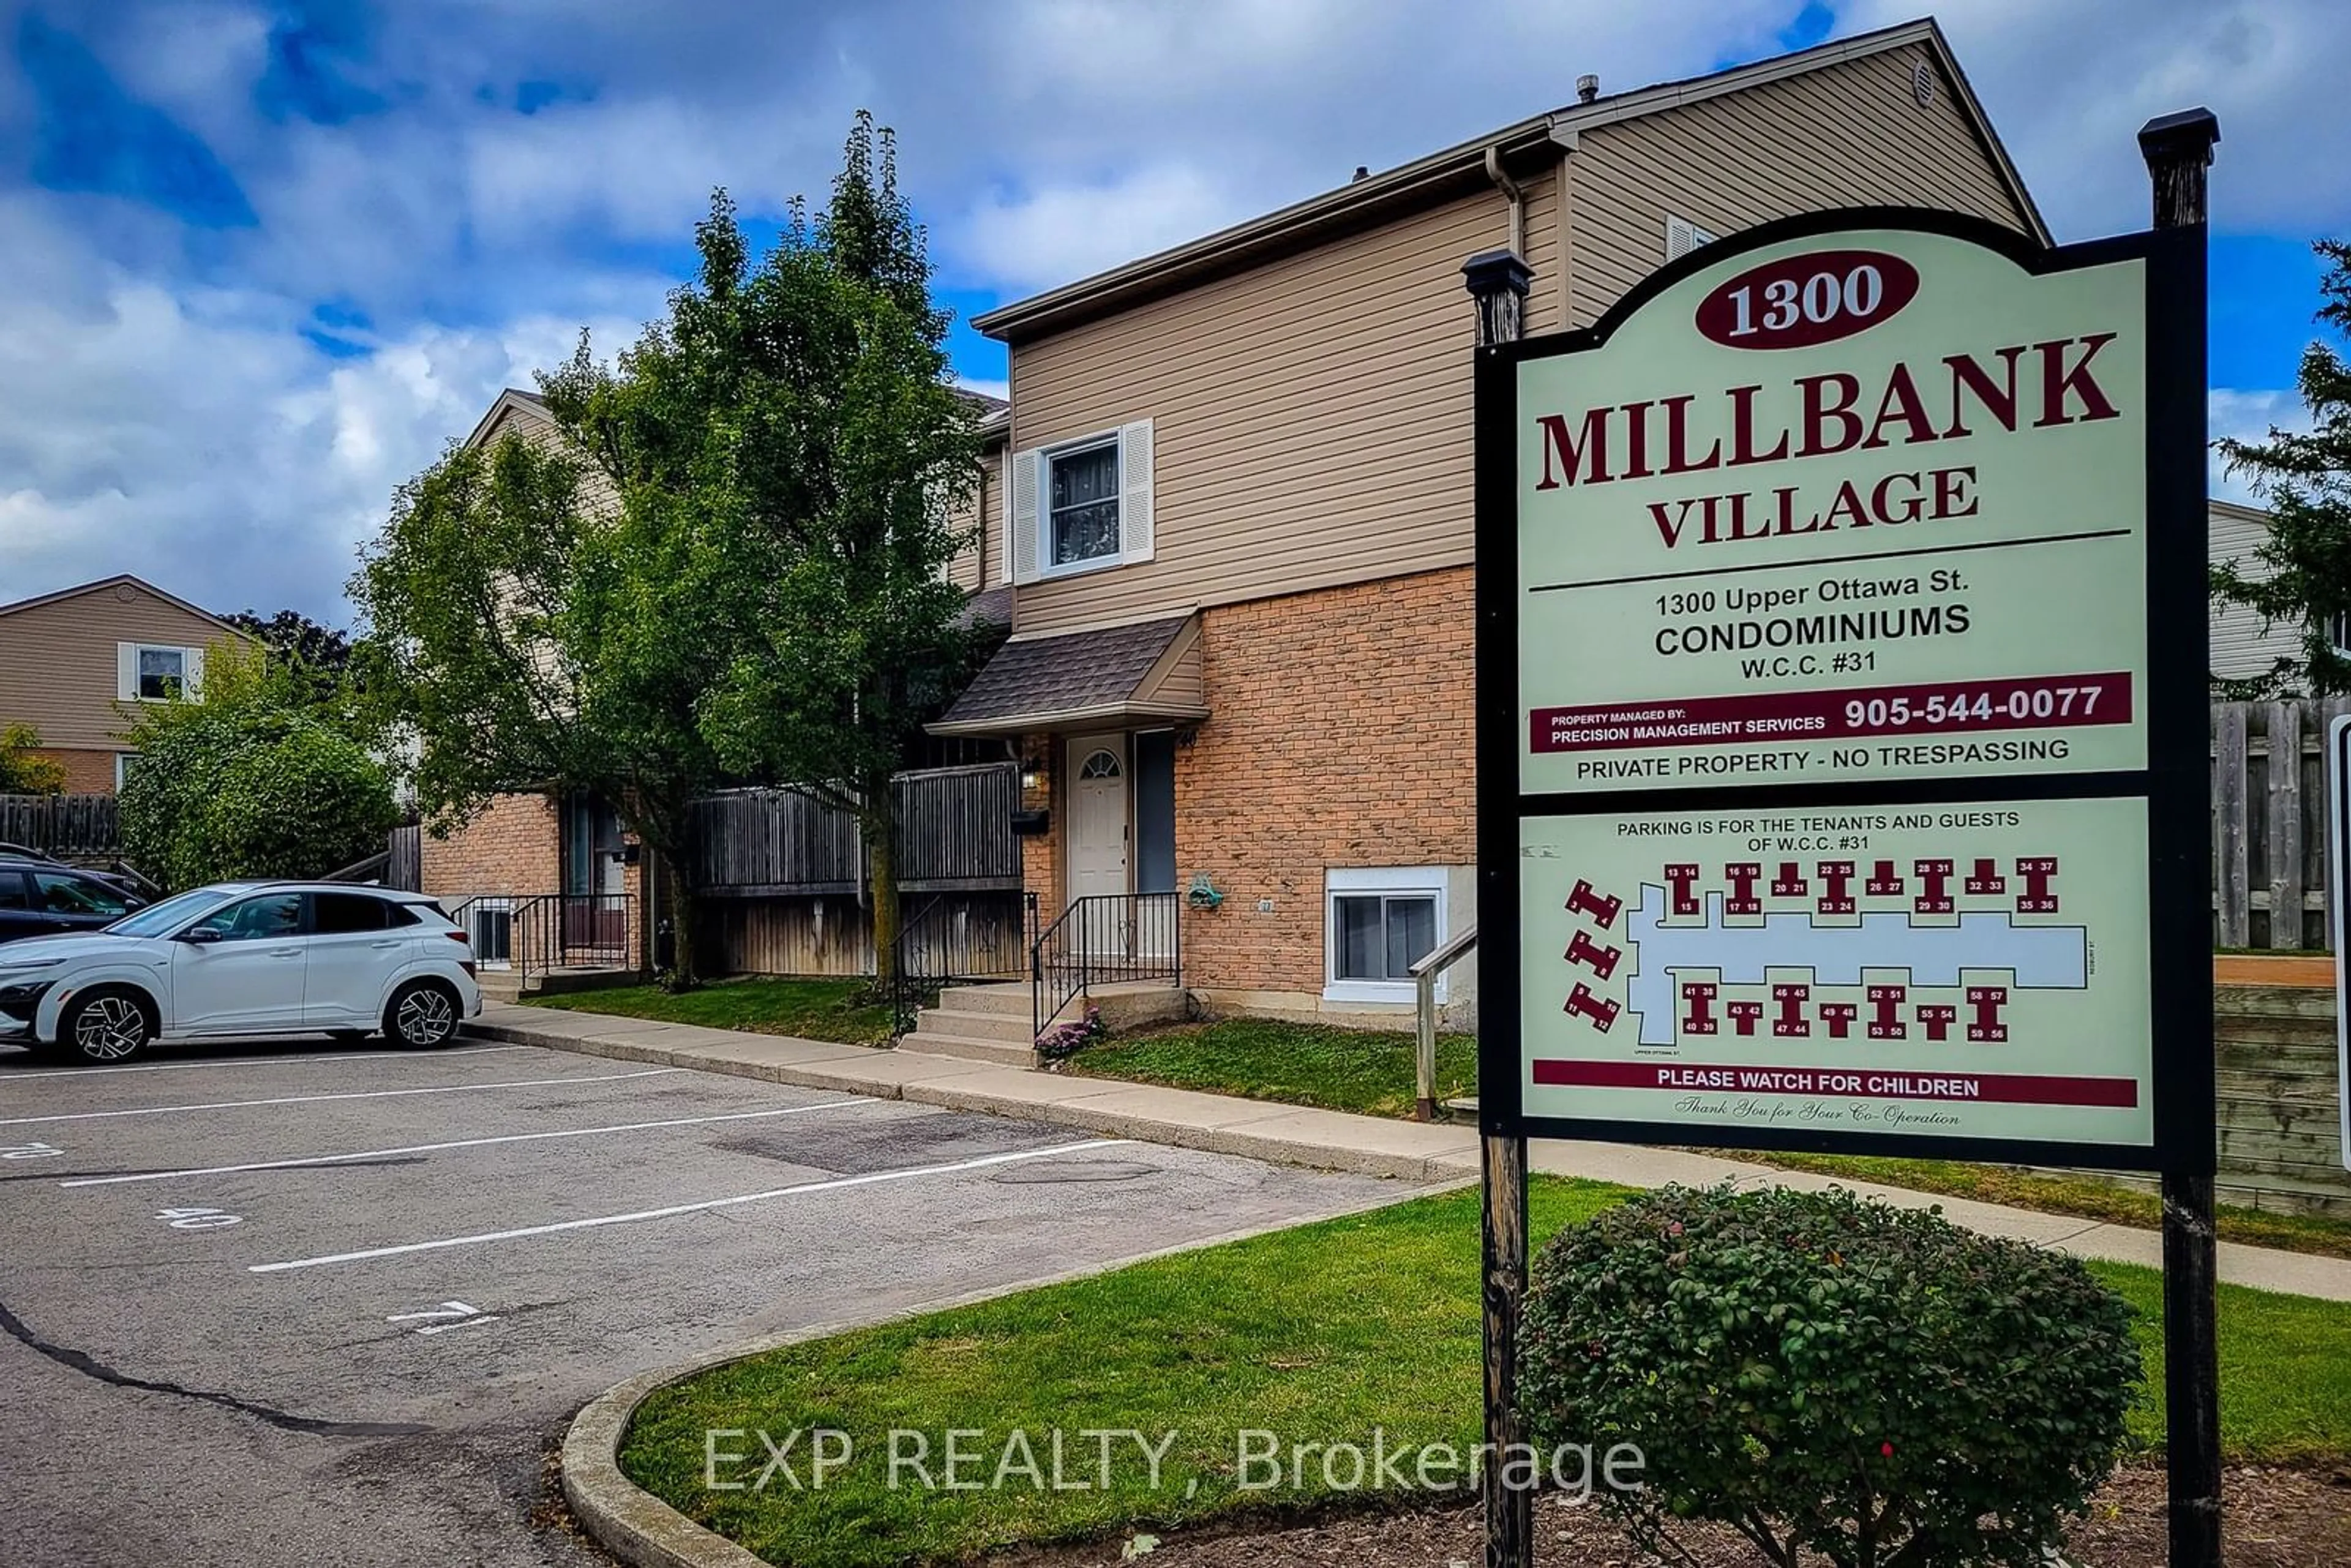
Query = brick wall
x=87 y=772
x=512 y=846
x=1340 y=736
x=1040 y=853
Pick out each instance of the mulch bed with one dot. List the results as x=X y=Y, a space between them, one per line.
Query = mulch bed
x=2272 y=1518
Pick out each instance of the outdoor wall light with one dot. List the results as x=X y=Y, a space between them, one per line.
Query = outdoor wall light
x=1032 y=773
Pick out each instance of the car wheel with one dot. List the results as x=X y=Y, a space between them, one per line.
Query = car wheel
x=423 y=1014
x=106 y=1026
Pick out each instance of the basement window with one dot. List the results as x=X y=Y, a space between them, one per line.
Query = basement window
x=1381 y=921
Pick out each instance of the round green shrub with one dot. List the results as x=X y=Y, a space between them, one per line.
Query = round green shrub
x=216 y=796
x=1830 y=1376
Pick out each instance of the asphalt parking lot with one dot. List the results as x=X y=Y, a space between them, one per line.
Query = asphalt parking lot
x=286 y=1304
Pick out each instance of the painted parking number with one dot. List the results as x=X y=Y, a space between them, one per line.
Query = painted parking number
x=198 y=1218
x=29 y=1151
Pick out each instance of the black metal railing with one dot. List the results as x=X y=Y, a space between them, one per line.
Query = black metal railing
x=536 y=934
x=1104 y=939
x=953 y=938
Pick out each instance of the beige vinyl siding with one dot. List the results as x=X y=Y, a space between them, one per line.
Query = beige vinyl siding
x=59 y=661
x=1311 y=413
x=2241 y=647
x=1540 y=188
x=980 y=563
x=599 y=496
x=1311 y=418
x=1846 y=135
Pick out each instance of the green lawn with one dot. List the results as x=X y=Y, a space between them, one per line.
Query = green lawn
x=834 y=1009
x=1316 y=1334
x=1370 y=1071
x=1365 y=1071
x=2070 y=1195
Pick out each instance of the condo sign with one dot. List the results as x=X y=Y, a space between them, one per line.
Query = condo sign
x=1827 y=766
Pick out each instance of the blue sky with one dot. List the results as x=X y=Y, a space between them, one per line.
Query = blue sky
x=267 y=256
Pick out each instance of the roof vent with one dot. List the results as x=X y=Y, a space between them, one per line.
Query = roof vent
x=1363 y=171
x=1587 y=88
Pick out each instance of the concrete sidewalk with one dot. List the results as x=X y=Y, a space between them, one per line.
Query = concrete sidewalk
x=1330 y=1140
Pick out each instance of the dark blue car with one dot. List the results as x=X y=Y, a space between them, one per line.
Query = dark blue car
x=39 y=898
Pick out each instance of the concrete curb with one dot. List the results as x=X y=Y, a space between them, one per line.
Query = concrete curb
x=643 y=1531
x=1247 y=1132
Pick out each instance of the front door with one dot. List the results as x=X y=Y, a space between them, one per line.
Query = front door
x=594 y=914
x=1099 y=835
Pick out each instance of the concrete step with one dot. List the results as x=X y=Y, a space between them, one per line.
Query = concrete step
x=969 y=1050
x=1013 y=1000
x=1011 y=1027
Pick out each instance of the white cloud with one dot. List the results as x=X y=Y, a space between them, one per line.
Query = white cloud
x=2249 y=416
x=1061 y=231
x=2068 y=86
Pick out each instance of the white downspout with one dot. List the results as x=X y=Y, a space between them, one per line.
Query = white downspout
x=1514 y=195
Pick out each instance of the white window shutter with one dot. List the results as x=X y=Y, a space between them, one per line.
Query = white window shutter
x=1683 y=236
x=126 y=671
x=1134 y=491
x=1023 y=513
x=191 y=684
x=1002 y=480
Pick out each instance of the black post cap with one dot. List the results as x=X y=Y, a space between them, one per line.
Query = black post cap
x=2185 y=137
x=1491 y=271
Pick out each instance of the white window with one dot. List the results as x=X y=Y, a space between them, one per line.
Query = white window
x=1683 y=236
x=2338 y=633
x=1380 y=922
x=156 y=673
x=1082 y=505
x=124 y=761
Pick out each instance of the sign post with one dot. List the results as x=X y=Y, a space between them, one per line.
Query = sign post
x=2339 y=861
x=1834 y=793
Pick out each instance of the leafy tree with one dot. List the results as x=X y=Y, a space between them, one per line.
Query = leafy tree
x=528 y=639
x=256 y=778
x=291 y=637
x=22 y=771
x=735 y=568
x=792 y=428
x=2304 y=480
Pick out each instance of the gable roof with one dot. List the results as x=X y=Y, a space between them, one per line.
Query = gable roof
x=119 y=580
x=511 y=400
x=1410 y=184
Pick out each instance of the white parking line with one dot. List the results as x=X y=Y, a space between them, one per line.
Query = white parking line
x=461 y=1143
x=831 y=1184
x=42 y=1075
x=313 y=1099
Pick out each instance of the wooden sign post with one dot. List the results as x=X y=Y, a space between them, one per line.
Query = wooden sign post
x=1834 y=793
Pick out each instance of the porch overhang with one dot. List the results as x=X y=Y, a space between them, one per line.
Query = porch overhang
x=1138 y=675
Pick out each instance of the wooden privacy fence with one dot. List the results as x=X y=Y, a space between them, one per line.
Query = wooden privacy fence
x=405 y=867
x=955 y=835
x=2268 y=823
x=60 y=824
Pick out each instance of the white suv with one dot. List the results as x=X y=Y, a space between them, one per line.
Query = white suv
x=243 y=959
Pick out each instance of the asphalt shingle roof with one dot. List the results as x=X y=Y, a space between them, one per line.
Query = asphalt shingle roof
x=1074 y=673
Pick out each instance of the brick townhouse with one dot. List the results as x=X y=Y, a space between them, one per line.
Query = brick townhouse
x=1237 y=520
